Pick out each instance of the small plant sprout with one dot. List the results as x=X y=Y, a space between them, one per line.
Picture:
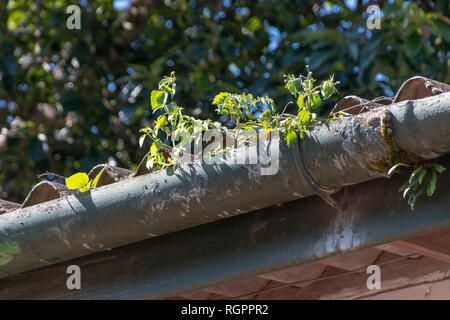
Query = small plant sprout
x=309 y=98
x=81 y=181
x=422 y=179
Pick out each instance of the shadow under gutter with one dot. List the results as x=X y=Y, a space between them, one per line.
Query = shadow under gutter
x=243 y=246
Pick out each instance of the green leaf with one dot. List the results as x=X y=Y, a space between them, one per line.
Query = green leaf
x=412 y=201
x=220 y=98
x=290 y=137
x=157 y=99
x=432 y=185
x=77 y=181
x=301 y=101
x=316 y=101
x=154 y=148
x=406 y=192
x=415 y=173
x=404 y=186
x=149 y=163
x=266 y=113
x=392 y=169
x=86 y=187
x=327 y=88
x=304 y=116
x=97 y=178
x=422 y=175
x=167 y=89
x=293 y=84
x=162 y=121
x=439 y=168
x=141 y=140
x=177 y=132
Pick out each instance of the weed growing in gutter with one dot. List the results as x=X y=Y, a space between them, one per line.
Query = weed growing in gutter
x=422 y=179
x=239 y=111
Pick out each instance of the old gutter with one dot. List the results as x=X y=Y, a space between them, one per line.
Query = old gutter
x=243 y=246
x=348 y=151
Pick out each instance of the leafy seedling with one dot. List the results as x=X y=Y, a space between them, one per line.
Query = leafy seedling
x=422 y=179
x=243 y=113
x=81 y=181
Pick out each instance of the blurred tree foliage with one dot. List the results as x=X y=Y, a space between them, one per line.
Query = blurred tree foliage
x=70 y=99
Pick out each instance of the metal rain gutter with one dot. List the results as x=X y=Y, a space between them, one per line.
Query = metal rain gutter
x=348 y=151
x=244 y=246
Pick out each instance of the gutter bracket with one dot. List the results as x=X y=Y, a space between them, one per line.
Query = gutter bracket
x=323 y=192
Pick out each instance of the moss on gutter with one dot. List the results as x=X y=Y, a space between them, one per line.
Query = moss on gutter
x=396 y=153
x=8 y=251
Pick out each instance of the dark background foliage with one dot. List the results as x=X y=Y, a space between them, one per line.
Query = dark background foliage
x=70 y=99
